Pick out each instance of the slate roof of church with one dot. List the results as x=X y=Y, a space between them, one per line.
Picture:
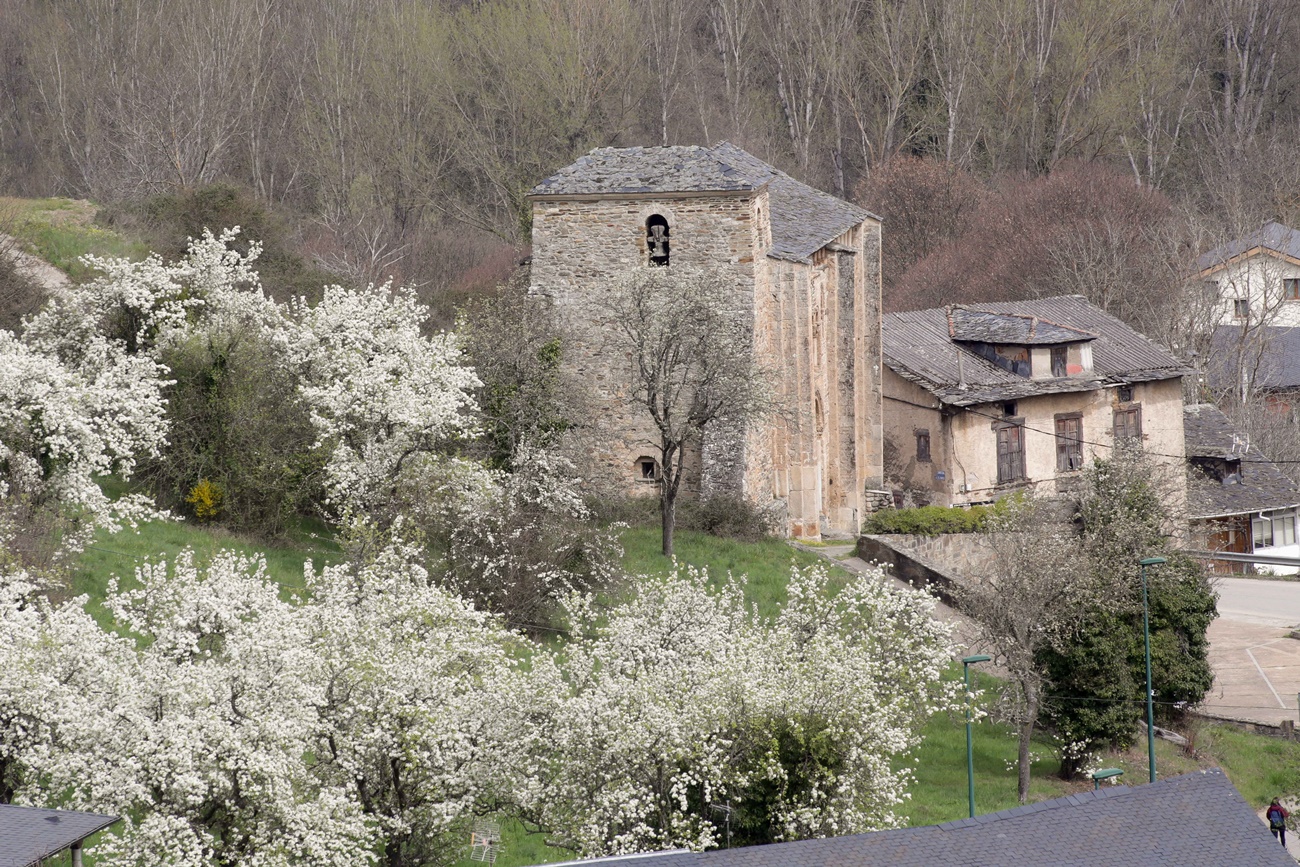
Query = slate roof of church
x=924 y=346
x=1208 y=433
x=1271 y=236
x=803 y=219
x=29 y=834
x=1197 y=818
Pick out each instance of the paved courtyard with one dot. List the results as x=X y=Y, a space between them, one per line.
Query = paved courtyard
x=1256 y=664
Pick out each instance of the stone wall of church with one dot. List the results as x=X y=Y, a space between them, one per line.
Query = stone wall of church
x=580 y=248
x=816 y=331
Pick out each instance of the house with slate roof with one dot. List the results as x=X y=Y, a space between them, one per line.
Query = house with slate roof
x=805 y=267
x=1238 y=501
x=1194 y=819
x=29 y=835
x=983 y=400
x=1256 y=278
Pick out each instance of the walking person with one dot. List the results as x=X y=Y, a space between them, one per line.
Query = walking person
x=1277 y=821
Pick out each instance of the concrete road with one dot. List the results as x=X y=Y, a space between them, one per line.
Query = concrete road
x=1256 y=663
x=1254 y=600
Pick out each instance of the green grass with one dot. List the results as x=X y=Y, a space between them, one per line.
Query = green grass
x=119 y=554
x=61 y=231
x=767 y=563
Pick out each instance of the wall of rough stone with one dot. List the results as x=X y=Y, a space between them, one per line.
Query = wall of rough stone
x=580 y=249
x=815 y=326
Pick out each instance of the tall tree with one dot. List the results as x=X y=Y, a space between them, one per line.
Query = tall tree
x=692 y=366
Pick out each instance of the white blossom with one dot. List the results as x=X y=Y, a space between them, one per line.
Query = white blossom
x=386 y=400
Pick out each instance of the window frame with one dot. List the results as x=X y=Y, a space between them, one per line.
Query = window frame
x=922 y=445
x=1291 y=288
x=1131 y=412
x=1010 y=462
x=1069 y=446
x=1241 y=308
x=1060 y=354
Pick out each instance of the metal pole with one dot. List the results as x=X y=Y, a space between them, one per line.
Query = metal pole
x=970 y=753
x=1151 y=719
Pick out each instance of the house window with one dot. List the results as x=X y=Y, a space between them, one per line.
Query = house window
x=1060 y=357
x=923 y=446
x=1011 y=453
x=1273 y=531
x=656 y=239
x=1009 y=408
x=1241 y=308
x=1291 y=288
x=647 y=469
x=1128 y=424
x=1125 y=393
x=1069 y=443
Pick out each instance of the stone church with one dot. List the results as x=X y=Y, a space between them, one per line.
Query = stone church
x=804 y=263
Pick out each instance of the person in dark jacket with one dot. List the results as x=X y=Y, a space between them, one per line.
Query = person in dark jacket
x=1277 y=820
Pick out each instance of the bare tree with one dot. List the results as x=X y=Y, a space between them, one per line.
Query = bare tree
x=1029 y=601
x=692 y=366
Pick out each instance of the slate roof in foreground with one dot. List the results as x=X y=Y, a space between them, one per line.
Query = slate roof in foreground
x=1271 y=236
x=923 y=346
x=1195 y=819
x=1208 y=433
x=803 y=219
x=29 y=834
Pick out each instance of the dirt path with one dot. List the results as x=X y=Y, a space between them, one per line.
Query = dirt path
x=37 y=270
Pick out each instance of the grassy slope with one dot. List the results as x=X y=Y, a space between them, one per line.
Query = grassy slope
x=61 y=231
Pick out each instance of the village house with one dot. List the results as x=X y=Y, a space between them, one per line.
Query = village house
x=806 y=270
x=988 y=399
x=1238 y=501
x=1255 y=279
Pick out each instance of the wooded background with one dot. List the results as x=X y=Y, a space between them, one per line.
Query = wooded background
x=406 y=133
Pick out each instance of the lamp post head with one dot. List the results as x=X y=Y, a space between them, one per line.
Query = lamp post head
x=1103 y=774
x=1152 y=561
x=979 y=657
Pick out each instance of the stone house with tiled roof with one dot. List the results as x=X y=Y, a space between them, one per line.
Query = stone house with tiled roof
x=984 y=400
x=806 y=271
x=1238 y=501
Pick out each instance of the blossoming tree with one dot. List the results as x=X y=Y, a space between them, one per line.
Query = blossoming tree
x=683 y=707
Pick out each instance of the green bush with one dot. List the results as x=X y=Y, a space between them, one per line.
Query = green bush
x=929 y=520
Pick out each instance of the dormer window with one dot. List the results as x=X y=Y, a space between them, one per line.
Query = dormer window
x=656 y=239
x=1060 y=361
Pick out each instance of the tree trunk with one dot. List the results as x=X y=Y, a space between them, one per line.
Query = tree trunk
x=668 y=517
x=1026 y=735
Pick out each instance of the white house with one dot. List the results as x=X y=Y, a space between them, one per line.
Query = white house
x=1255 y=279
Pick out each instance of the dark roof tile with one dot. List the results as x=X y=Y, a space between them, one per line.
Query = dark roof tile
x=1271 y=236
x=803 y=219
x=1197 y=818
x=1210 y=435
x=919 y=346
x=30 y=834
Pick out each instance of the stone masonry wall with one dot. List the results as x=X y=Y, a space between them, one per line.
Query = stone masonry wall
x=580 y=248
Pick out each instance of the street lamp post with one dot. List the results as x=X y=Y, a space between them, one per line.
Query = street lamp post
x=1146 y=635
x=970 y=752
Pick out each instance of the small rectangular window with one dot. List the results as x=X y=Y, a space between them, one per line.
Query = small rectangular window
x=1241 y=308
x=1069 y=443
x=1128 y=424
x=1060 y=357
x=1291 y=288
x=1011 y=453
x=923 y=446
